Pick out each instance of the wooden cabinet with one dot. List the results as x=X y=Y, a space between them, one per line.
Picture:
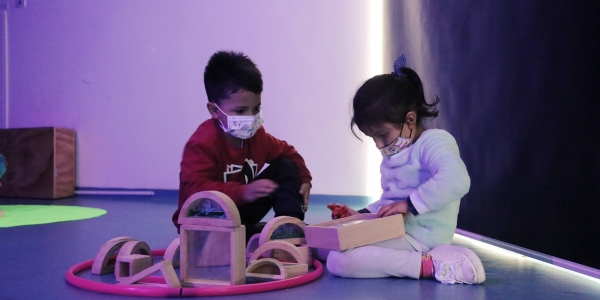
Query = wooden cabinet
x=38 y=162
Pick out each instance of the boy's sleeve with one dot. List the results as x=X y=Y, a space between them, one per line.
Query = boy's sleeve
x=281 y=149
x=199 y=172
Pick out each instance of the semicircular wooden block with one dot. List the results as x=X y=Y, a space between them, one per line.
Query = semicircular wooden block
x=172 y=252
x=269 y=269
x=266 y=268
x=274 y=223
x=232 y=215
x=252 y=245
x=135 y=247
x=279 y=245
x=100 y=265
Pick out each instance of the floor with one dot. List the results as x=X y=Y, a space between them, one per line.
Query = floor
x=34 y=259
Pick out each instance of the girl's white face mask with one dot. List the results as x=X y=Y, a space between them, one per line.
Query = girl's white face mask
x=400 y=144
x=242 y=127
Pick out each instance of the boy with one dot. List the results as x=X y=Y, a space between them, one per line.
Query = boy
x=227 y=151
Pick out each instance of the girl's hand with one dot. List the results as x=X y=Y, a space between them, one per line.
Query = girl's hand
x=341 y=211
x=399 y=207
x=258 y=189
x=305 y=191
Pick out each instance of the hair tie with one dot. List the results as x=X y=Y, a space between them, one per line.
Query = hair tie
x=399 y=63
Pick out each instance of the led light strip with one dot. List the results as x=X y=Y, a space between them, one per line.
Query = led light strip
x=503 y=248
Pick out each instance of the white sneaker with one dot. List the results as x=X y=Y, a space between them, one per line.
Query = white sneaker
x=455 y=264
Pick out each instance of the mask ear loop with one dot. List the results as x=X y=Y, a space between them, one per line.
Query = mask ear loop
x=226 y=115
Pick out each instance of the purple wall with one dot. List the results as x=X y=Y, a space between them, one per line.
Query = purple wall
x=127 y=76
x=519 y=91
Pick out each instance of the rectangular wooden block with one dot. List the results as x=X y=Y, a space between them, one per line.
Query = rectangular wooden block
x=212 y=255
x=129 y=265
x=353 y=231
x=37 y=162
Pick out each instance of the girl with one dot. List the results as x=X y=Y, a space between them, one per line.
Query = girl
x=422 y=177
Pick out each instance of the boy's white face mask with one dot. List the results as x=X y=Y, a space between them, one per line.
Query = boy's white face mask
x=242 y=127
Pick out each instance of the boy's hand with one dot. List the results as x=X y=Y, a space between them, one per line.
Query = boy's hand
x=305 y=191
x=400 y=207
x=258 y=189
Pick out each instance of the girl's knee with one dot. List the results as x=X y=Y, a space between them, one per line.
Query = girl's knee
x=339 y=264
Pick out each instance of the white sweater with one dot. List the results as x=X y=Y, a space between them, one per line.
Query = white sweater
x=432 y=173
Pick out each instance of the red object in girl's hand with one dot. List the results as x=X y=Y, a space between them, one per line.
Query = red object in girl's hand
x=338 y=211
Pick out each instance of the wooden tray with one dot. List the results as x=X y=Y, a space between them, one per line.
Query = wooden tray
x=354 y=231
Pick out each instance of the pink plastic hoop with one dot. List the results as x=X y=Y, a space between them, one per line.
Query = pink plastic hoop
x=157 y=291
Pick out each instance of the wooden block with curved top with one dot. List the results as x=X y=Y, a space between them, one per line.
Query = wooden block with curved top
x=231 y=214
x=277 y=248
x=212 y=239
x=135 y=247
x=275 y=223
x=269 y=269
x=252 y=245
x=102 y=262
x=172 y=252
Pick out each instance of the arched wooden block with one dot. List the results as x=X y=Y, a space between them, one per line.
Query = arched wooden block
x=252 y=245
x=268 y=269
x=278 y=245
x=135 y=247
x=232 y=215
x=101 y=265
x=172 y=252
x=274 y=223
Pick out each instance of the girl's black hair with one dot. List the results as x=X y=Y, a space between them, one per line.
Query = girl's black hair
x=388 y=98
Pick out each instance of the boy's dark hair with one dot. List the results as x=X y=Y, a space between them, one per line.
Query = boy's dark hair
x=227 y=72
x=388 y=98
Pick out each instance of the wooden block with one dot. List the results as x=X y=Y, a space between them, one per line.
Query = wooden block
x=275 y=223
x=206 y=250
x=196 y=202
x=172 y=252
x=276 y=248
x=354 y=231
x=102 y=262
x=165 y=267
x=40 y=162
x=252 y=245
x=134 y=247
x=269 y=269
x=129 y=265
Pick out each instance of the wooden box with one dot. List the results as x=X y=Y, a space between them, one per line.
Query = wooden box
x=37 y=162
x=354 y=231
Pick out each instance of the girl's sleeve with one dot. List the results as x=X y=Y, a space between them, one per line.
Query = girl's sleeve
x=450 y=180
